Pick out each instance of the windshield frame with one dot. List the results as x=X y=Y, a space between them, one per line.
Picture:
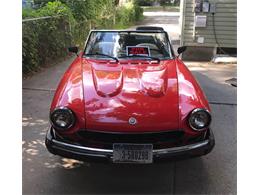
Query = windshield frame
x=171 y=52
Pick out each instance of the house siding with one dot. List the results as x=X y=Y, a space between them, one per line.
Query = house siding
x=225 y=25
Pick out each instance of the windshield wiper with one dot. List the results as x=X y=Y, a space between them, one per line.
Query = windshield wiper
x=101 y=54
x=153 y=58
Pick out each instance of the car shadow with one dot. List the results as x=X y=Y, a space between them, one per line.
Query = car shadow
x=192 y=176
x=117 y=179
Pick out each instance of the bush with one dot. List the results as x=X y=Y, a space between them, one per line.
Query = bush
x=46 y=40
x=138 y=11
x=29 y=49
x=128 y=13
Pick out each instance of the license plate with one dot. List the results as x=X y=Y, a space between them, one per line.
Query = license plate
x=132 y=153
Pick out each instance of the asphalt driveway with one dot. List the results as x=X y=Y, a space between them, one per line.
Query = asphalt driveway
x=44 y=173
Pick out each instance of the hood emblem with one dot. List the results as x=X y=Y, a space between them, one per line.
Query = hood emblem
x=132 y=121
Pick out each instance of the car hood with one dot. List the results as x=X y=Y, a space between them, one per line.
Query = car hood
x=115 y=92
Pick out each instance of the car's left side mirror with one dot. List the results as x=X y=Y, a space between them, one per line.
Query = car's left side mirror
x=181 y=49
x=73 y=49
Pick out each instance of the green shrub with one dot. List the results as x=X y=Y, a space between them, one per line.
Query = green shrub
x=138 y=11
x=46 y=40
x=29 y=49
x=128 y=14
x=29 y=13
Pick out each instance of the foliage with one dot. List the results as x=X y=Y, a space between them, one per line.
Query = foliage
x=138 y=11
x=29 y=13
x=30 y=52
x=41 y=2
x=128 y=13
x=68 y=22
x=177 y=3
x=79 y=9
x=102 y=13
x=45 y=40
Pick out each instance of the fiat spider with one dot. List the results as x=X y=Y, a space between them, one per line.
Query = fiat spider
x=127 y=98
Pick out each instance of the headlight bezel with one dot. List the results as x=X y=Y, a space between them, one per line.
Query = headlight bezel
x=193 y=112
x=62 y=109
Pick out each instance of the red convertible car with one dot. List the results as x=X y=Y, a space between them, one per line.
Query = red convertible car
x=127 y=98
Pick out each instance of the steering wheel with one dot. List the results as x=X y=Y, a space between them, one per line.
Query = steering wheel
x=150 y=45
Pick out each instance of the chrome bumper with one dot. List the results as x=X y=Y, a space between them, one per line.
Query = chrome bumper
x=88 y=153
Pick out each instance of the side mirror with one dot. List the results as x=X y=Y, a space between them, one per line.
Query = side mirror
x=73 y=49
x=181 y=49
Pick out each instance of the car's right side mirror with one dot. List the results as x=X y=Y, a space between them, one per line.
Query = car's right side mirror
x=73 y=49
x=181 y=49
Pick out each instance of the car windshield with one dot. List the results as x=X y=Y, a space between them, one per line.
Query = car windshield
x=126 y=44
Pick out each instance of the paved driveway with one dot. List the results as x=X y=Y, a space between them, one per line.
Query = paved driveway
x=44 y=173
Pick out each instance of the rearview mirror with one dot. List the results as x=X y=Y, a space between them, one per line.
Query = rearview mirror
x=181 y=49
x=73 y=49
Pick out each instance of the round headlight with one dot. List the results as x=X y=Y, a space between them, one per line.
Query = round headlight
x=62 y=118
x=199 y=119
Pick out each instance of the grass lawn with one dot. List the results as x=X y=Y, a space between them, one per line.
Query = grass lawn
x=161 y=8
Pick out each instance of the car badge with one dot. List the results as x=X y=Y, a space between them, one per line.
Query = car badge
x=132 y=121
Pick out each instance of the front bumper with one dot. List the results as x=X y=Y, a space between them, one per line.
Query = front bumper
x=83 y=153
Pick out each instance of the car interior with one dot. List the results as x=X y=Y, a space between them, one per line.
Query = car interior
x=115 y=44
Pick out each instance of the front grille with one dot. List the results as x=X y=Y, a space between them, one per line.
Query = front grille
x=106 y=140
